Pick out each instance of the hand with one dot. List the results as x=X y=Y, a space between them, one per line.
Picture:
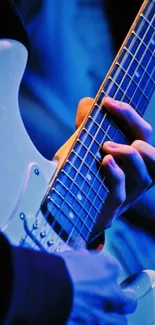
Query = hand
x=136 y=173
x=97 y=298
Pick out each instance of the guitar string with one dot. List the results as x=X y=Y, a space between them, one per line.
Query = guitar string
x=131 y=45
x=144 y=34
x=131 y=100
x=124 y=77
x=123 y=95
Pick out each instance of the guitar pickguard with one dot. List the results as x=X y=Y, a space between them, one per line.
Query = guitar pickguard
x=27 y=225
x=17 y=150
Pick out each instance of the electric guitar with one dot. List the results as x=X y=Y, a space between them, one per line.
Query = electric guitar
x=53 y=206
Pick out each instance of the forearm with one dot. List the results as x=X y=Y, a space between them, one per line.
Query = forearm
x=40 y=289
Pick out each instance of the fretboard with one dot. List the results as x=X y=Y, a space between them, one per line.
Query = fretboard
x=80 y=189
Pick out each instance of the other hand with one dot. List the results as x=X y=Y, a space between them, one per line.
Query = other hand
x=97 y=297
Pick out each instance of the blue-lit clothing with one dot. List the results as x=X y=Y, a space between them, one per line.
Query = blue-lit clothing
x=36 y=287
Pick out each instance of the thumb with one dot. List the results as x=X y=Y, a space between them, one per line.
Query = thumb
x=83 y=109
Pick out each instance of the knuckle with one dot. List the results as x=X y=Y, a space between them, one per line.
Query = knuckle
x=137 y=144
x=120 y=180
x=120 y=198
x=119 y=193
x=125 y=106
x=148 y=128
x=132 y=152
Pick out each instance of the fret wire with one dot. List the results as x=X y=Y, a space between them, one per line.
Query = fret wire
x=132 y=43
x=95 y=141
x=141 y=96
x=147 y=21
x=99 y=128
x=128 y=75
x=123 y=60
x=95 y=176
x=101 y=204
x=110 y=124
x=137 y=85
x=124 y=91
x=142 y=76
x=91 y=186
x=117 y=129
x=48 y=213
x=69 y=219
x=81 y=190
x=80 y=165
x=121 y=134
x=121 y=68
x=145 y=32
x=74 y=224
x=118 y=86
x=82 y=193
x=72 y=207
x=98 y=189
x=44 y=221
x=133 y=55
x=142 y=42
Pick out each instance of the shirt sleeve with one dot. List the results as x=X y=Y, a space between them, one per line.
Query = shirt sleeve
x=37 y=288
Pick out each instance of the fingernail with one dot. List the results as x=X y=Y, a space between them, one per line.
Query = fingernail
x=112 y=162
x=111 y=144
x=111 y=100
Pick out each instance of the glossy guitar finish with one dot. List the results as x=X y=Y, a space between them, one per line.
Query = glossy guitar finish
x=24 y=172
x=54 y=205
x=143 y=284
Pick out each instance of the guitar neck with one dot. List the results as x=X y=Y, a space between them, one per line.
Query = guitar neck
x=131 y=77
x=80 y=189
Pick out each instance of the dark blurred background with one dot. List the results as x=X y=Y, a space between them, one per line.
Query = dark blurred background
x=73 y=43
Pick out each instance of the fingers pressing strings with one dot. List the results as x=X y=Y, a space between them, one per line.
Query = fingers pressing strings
x=135 y=123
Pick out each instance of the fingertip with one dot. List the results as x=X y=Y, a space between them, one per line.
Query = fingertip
x=109 y=162
x=109 y=101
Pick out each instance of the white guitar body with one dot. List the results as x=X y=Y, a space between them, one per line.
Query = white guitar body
x=143 y=284
x=25 y=176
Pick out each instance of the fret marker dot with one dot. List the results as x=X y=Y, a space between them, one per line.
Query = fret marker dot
x=71 y=215
x=79 y=196
x=88 y=176
x=153 y=41
x=137 y=74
